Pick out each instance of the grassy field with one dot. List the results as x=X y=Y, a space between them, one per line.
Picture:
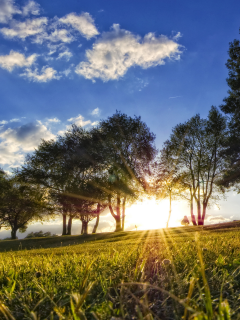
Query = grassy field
x=179 y=273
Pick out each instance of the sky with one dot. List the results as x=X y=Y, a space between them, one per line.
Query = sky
x=64 y=62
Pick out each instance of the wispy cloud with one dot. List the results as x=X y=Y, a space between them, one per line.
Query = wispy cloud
x=177 y=36
x=15 y=120
x=27 y=28
x=3 y=122
x=65 y=54
x=15 y=59
x=83 y=23
x=7 y=10
x=54 y=120
x=46 y=74
x=31 y=7
x=57 y=35
x=79 y=121
x=95 y=112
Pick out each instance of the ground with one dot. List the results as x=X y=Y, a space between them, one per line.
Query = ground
x=187 y=272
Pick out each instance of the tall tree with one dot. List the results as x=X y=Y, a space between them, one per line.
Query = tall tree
x=196 y=148
x=167 y=181
x=127 y=148
x=231 y=107
x=56 y=165
x=20 y=204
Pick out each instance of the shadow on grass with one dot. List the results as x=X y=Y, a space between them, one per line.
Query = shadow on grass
x=63 y=241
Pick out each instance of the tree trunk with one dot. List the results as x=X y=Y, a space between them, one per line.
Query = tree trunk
x=64 y=231
x=97 y=221
x=84 y=227
x=204 y=212
x=192 y=215
x=96 y=225
x=69 y=227
x=118 y=224
x=199 y=206
x=123 y=213
x=117 y=216
x=14 y=233
x=170 y=207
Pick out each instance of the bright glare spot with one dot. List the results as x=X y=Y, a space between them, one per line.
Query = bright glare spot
x=151 y=214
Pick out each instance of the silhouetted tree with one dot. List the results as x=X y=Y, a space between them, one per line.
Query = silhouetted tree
x=20 y=204
x=196 y=151
x=167 y=181
x=57 y=165
x=127 y=148
x=231 y=107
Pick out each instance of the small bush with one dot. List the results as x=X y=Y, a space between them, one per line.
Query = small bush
x=40 y=234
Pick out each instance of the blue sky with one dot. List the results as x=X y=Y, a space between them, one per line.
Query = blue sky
x=80 y=61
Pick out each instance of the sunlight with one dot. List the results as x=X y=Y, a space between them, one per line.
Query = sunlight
x=152 y=214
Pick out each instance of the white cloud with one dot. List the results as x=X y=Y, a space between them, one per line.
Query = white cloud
x=177 y=36
x=22 y=30
x=79 y=121
x=65 y=54
x=84 y=23
x=31 y=7
x=15 y=59
x=15 y=120
x=55 y=120
x=67 y=72
x=53 y=48
x=58 y=35
x=47 y=74
x=95 y=112
x=118 y=50
x=7 y=10
x=3 y=122
x=15 y=142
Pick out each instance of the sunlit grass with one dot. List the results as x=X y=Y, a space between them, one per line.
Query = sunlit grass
x=166 y=274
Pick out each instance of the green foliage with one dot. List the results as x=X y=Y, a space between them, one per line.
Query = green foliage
x=231 y=107
x=126 y=276
x=85 y=171
x=191 y=161
x=21 y=203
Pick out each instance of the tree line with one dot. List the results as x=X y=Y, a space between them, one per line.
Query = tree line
x=84 y=172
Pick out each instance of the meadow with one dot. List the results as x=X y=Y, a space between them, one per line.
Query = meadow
x=178 y=273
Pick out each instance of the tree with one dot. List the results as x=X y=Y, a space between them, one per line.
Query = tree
x=127 y=148
x=20 y=204
x=231 y=107
x=167 y=182
x=231 y=104
x=104 y=165
x=57 y=165
x=195 y=147
x=45 y=167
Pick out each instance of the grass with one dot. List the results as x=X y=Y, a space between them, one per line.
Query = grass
x=180 y=273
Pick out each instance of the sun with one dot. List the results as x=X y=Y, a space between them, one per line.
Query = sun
x=151 y=214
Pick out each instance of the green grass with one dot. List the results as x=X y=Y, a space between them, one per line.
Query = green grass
x=181 y=273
